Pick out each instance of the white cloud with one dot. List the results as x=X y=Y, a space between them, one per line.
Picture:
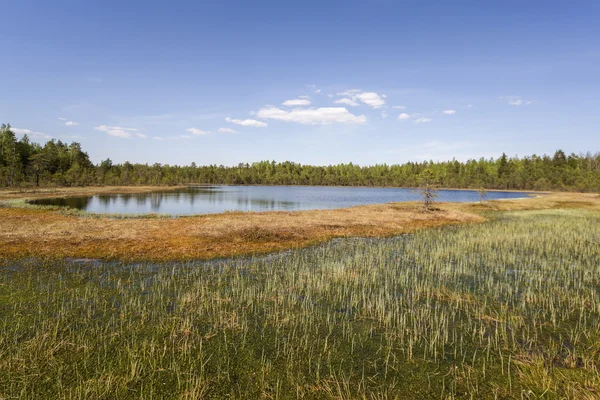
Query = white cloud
x=369 y=98
x=449 y=112
x=403 y=116
x=227 y=130
x=312 y=116
x=372 y=99
x=62 y=119
x=346 y=101
x=158 y=138
x=196 y=131
x=399 y=107
x=422 y=120
x=297 y=102
x=71 y=123
x=384 y=114
x=515 y=102
x=30 y=133
x=246 y=122
x=117 y=131
x=304 y=97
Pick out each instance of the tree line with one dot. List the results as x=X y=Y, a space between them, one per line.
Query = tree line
x=24 y=163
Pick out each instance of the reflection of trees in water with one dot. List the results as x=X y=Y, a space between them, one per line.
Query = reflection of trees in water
x=242 y=199
x=155 y=200
x=141 y=199
x=267 y=204
x=221 y=199
x=79 y=203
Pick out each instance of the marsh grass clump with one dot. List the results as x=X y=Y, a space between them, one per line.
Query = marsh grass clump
x=504 y=309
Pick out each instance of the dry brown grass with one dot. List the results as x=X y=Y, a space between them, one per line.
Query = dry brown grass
x=544 y=201
x=44 y=233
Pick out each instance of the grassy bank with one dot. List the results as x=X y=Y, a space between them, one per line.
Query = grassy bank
x=31 y=232
x=504 y=309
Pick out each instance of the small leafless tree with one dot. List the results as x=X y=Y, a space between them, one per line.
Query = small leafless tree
x=428 y=188
x=482 y=194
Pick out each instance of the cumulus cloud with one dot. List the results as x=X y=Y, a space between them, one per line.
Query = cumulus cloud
x=422 y=120
x=227 y=130
x=117 y=131
x=30 y=133
x=62 y=119
x=346 y=101
x=297 y=102
x=196 y=131
x=372 y=99
x=449 y=112
x=312 y=116
x=71 y=123
x=403 y=116
x=246 y=122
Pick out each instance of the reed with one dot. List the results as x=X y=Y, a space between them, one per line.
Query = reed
x=505 y=309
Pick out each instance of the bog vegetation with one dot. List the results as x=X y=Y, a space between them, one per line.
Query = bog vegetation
x=504 y=309
x=23 y=163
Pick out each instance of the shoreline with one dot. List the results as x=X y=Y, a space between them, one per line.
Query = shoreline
x=31 y=232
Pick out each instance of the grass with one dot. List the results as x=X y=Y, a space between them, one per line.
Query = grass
x=509 y=308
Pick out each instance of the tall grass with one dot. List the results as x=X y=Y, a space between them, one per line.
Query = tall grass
x=506 y=309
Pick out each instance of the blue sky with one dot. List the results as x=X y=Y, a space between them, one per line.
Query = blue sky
x=317 y=82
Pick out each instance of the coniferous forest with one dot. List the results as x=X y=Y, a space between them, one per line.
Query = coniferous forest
x=24 y=163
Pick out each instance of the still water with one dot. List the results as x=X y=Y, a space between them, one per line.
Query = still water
x=217 y=199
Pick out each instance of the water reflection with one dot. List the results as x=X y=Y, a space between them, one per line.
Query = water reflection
x=216 y=199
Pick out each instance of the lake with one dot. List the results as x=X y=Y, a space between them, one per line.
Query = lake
x=218 y=199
